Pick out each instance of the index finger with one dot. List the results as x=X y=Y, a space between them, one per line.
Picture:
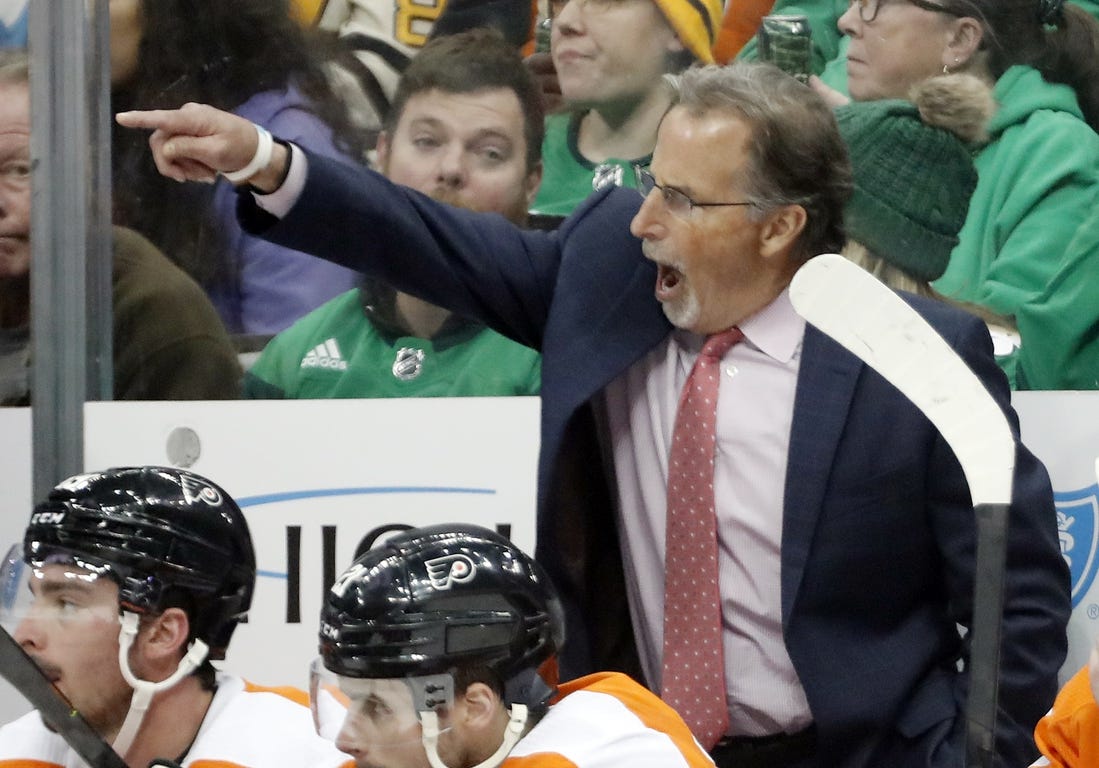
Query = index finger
x=169 y=119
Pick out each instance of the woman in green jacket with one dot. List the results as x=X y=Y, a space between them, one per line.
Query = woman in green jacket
x=1038 y=173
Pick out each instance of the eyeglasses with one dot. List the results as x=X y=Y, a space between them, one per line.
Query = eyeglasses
x=677 y=203
x=868 y=9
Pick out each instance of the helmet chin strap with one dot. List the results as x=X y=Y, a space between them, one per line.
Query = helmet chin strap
x=143 y=689
x=430 y=725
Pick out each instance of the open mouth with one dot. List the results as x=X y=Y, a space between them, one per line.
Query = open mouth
x=667 y=280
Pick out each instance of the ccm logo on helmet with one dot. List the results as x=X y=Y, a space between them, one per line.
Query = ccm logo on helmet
x=449 y=569
x=47 y=518
x=327 y=630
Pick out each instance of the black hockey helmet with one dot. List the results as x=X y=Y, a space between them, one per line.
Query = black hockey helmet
x=153 y=530
x=432 y=599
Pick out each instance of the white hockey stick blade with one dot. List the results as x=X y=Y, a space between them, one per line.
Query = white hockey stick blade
x=877 y=326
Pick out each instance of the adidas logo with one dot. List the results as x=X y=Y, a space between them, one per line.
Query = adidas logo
x=326 y=355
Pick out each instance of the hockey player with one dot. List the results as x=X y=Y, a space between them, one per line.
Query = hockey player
x=443 y=644
x=137 y=578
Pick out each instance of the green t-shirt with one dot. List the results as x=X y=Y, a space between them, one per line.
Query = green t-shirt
x=337 y=352
x=568 y=178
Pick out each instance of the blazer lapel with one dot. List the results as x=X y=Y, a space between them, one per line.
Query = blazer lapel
x=826 y=382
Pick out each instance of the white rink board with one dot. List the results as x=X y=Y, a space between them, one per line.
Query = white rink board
x=259 y=448
x=1062 y=429
x=349 y=466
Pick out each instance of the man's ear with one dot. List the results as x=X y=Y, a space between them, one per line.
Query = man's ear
x=533 y=182
x=481 y=708
x=781 y=229
x=163 y=638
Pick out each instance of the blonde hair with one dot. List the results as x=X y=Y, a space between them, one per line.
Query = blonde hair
x=899 y=280
x=894 y=277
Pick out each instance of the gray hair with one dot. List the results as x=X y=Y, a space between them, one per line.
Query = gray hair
x=796 y=157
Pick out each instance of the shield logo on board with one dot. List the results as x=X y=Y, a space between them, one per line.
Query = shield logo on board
x=1077 y=528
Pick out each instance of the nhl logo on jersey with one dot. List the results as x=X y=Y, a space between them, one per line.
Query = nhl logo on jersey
x=605 y=175
x=1078 y=530
x=409 y=363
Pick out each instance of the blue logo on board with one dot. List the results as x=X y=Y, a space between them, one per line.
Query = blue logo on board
x=1078 y=529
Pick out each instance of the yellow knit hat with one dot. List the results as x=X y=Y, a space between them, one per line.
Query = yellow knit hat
x=696 y=22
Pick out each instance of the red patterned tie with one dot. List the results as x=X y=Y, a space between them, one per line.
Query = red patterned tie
x=694 y=671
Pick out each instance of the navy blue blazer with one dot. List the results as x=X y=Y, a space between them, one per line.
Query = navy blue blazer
x=878 y=530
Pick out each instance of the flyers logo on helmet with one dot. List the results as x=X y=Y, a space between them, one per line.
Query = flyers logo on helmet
x=450 y=569
x=195 y=490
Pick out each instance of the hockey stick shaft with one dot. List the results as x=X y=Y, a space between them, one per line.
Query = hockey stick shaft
x=20 y=670
x=988 y=601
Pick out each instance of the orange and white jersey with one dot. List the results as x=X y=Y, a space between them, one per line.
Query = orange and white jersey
x=606 y=720
x=246 y=726
x=1068 y=735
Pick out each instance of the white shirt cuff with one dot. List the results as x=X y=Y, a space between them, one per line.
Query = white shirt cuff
x=279 y=202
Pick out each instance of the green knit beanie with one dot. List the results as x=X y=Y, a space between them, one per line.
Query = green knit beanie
x=912 y=179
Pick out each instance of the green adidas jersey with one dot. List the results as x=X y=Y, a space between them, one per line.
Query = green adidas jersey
x=336 y=351
x=568 y=178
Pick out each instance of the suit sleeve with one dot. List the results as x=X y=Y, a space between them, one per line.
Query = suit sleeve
x=477 y=264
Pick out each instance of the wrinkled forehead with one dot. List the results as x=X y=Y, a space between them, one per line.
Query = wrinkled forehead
x=685 y=128
x=15 y=111
x=495 y=109
x=704 y=151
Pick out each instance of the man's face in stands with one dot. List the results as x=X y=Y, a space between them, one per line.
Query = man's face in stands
x=15 y=181
x=467 y=149
x=607 y=51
